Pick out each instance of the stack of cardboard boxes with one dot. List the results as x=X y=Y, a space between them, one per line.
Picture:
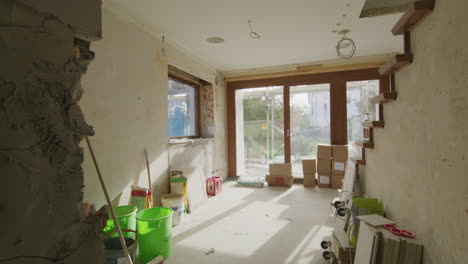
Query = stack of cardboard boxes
x=330 y=169
x=331 y=165
x=280 y=175
x=340 y=158
x=309 y=169
x=324 y=165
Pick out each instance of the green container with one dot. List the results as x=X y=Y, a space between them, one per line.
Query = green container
x=126 y=215
x=154 y=227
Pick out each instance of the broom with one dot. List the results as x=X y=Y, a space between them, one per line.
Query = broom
x=149 y=202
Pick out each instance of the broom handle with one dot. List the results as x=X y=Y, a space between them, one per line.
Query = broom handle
x=148 y=170
x=117 y=225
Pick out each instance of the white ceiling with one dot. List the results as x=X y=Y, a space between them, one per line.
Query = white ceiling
x=292 y=31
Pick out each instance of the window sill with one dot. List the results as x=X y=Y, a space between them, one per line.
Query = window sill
x=188 y=141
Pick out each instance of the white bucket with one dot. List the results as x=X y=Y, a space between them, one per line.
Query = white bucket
x=175 y=201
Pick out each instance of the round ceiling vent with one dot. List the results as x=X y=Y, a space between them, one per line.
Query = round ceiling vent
x=215 y=40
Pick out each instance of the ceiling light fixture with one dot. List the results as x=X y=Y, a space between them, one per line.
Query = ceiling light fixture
x=252 y=33
x=215 y=40
x=345 y=43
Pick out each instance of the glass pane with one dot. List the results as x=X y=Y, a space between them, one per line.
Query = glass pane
x=359 y=108
x=259 y=129
x=182 y=110
x=310 y=122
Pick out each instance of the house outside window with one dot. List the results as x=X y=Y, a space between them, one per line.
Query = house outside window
x=183 y=109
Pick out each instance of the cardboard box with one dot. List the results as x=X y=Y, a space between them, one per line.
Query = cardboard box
x=324 y=180
x=340 y=152
x=309 y=180
x=324 y=166
x=308 y=166
x=337 y=181
x=280 y=169
x=338 y=167
x=280 y=180
x=324 y=152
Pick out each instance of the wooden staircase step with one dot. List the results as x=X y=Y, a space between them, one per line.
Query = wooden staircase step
x=373 y=124
x=413 y=15
x=385 y=97
x=359 y=162
x=368 y=134
x=396 y=63
x=365 y=144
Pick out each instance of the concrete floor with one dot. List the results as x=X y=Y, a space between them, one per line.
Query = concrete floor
x=256 y=225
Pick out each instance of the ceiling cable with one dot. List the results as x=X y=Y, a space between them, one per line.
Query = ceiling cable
x=252 y=33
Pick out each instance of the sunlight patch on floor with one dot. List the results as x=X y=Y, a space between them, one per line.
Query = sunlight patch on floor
x=247 y=230
x=307 y=250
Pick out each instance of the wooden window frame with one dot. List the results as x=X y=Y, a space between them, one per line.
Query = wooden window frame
x=338 y=105
x=197 y=86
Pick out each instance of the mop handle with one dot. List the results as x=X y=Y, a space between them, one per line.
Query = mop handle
x=117 y=225
x=148 y=170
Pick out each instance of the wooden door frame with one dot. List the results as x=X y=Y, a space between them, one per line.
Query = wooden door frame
x=338 y=115
x=287 y=124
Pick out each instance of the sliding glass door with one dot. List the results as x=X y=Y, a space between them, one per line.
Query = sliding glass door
x=309 y=107
x=283 y=119
x=259 y=129
x=359 y=108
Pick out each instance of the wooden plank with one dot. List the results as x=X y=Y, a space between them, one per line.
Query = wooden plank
x=310 y=69
x=397 y=63
x=373 y=124
x=415 y=13
x=338 y=110
x=384 y=98
x=407 y=42
x=309 y=79
x=287 y=125
x=365 y=144
x=231 y=131
x=361 y=162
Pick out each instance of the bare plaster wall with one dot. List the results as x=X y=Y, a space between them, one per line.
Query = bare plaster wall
x=41 y=126
x=419 y=167
x=72 y=12
x=126 y=102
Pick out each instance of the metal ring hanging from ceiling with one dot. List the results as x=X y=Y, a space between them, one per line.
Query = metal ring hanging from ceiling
x=345 y=42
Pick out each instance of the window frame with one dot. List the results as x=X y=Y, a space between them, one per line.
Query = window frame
x=338 y=111
x=197 y=86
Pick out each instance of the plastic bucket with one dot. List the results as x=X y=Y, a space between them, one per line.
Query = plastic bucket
x=126 y=215
x=113 y=251
x=154 y=227
x=175 y=201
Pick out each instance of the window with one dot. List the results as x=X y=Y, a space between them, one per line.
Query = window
x=183 y=109
x=359 y=108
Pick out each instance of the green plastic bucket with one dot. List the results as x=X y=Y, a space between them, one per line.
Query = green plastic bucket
x=154 y=227
x=126 y=215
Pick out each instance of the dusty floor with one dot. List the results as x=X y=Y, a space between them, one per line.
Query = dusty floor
x=256 y=225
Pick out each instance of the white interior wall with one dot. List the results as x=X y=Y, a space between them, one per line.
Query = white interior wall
x=419 y=165
x=125 y=99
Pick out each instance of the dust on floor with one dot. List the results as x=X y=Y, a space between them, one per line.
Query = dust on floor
x=256 y=225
